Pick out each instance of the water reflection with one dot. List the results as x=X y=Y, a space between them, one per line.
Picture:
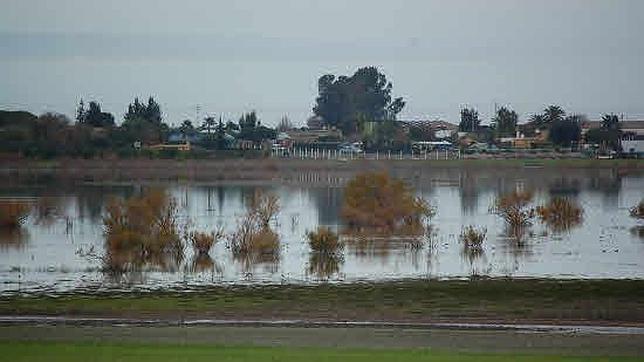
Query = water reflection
x=469 y=191
x=564 y=187
x=462 y=198
x=638 y=231
x=14 y=238
x=202 y=262
x=324 y=265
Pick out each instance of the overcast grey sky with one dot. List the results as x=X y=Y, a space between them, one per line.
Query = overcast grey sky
x=234 y=56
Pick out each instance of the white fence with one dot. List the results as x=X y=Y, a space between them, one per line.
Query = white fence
x=332 y=154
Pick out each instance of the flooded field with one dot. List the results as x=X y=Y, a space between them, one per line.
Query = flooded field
x=62 y=243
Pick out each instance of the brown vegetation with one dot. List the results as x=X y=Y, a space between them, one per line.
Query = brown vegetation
x=326 y=256
x=515 y=209
x=324 y=240
x=254 y=240
x=561 y=213
x=142 y=230
x=373 y=201
x=472 y=239
x=13 y=213
x=637 y=211
x=265 y=206
x=203 y=242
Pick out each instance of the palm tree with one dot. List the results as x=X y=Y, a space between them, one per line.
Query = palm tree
x=186 y=128
x=209 y=124
x=554 y=113
x=610 y=121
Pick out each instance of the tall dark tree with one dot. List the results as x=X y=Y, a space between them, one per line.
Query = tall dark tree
x=80 y=111
x=470 y=121
x=186 y=129
x=150 y=112
x=248 y=122
x=367 y=93
x=153 y=112
x=608 y=135
x=566 y=132
x=553 y=113
x=136 y=111
x=93 y=116
x=144 y=122
x=220 y=135
x=505 y=122
x=250 y=128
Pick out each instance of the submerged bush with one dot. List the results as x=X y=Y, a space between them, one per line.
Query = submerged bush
x=637 y=211
x=560 y=213
x=324 y=240
x=515 y=209
x=265 y=206
x=254 y=240
x=472 y=239
x=13 y=213
x=374 y=201
x=203 y=242
x=142 y=230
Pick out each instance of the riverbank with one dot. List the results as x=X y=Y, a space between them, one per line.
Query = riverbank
x=598 y=302
x=280 y=170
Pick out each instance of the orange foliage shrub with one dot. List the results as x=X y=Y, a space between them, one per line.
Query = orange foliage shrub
x=514 y=208
x=375 y=201
x=560 y=213
x=142 y=229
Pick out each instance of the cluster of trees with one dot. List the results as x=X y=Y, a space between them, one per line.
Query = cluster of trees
x=360 y=105
x=347 y=102
x=562 y=129
x=95 y=132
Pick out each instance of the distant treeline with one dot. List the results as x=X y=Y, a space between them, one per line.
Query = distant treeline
x=96 y=134
x=361 y=106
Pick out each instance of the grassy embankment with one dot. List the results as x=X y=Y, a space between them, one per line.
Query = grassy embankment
x=69 y=352
x=574 y=301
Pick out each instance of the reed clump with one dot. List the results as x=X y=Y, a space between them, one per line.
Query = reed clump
x=560 y=213
x=13 y=213
x=376 y=202
x=324 y=240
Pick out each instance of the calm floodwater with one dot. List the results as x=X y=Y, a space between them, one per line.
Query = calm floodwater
x=45 y=255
